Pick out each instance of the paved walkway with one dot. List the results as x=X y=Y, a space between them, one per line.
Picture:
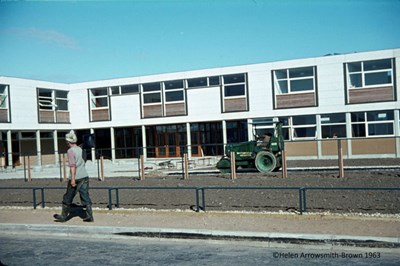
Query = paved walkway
x=355 y=230
x=362 y=230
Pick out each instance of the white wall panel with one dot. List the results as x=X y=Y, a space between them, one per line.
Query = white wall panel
x=79 y=108
x=125 y=110
x=260 y=93
x=204 y=104
x=331 y=91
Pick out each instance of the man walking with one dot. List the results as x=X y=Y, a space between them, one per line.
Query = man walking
x=78 y=181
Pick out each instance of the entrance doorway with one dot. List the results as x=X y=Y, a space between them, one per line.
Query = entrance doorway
x=166 y=141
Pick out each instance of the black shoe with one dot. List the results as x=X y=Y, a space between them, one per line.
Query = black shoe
x=88 y=220
x=59 y=218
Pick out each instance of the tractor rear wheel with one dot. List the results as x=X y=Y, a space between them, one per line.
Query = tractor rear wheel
x=265 y=162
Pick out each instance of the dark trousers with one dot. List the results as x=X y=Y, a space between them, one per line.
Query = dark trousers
x=82 y=186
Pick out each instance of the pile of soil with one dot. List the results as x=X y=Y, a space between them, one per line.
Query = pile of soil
x=162 y=191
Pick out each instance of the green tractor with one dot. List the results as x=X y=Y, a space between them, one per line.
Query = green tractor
x=265 y=154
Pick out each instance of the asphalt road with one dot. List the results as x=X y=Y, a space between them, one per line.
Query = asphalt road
x=50 y=250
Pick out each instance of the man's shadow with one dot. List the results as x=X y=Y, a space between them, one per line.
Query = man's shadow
x=76 y=210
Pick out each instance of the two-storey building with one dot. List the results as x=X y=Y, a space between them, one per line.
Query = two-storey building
x=353 y=97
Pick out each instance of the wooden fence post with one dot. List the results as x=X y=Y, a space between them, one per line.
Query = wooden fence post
x=101 y=168
x=141 y=167
x=284 y=165
x=233 y=165
x=186 y=164
x=29 y=170
x=340 y=158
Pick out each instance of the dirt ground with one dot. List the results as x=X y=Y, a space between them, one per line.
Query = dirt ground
x=181 y=194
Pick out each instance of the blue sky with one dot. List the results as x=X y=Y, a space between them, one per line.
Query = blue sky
x=75 y=41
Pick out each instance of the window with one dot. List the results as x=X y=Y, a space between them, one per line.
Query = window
x=28 y=135
x=128 y=142
x=294 y=80
x=173 y=84
x=160 y=99
x=234 y=85
x=130 y=89
x=207 y=139
x=115 y=90
x=166 y=140
x=152 y=98
x=99 y=104
x=266 y=126
x=3 y=96
x=370 y=81
x=262 y=127
x=174 y=91
x=46 y=99
x=52 y=105
x=333 y=125
x=373 y=123
x=214 y=81
x=295 y=87
x=4 y=104
x=370 y=73
x=62 y=100
x=197 y=82
x=124 y=89
x=236 y=131
x=46 y=135
x=204 y=82
x=155 y=86
x=174 y=96
x=99 y=98
x=234 y=92
x=151 y=93
x=304 y=126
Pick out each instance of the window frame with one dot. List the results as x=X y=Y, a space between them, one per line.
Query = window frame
x=5 y=101
x=48 y=100
x=172 y=90
x=290 y=79
x=131 y=89
x=363 y=73
x=4 y=97
x=367 y=123
x=46 y=103
x=63 y=99
x=150 y=91
x=236 y=99
x=93 y=105
x=305 y=126
x=234 y=84
x=93 y=98
x=332 y=124
x=51 y=101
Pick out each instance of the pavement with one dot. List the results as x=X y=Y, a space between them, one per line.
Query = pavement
x=326 y=230
x=321 y=229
